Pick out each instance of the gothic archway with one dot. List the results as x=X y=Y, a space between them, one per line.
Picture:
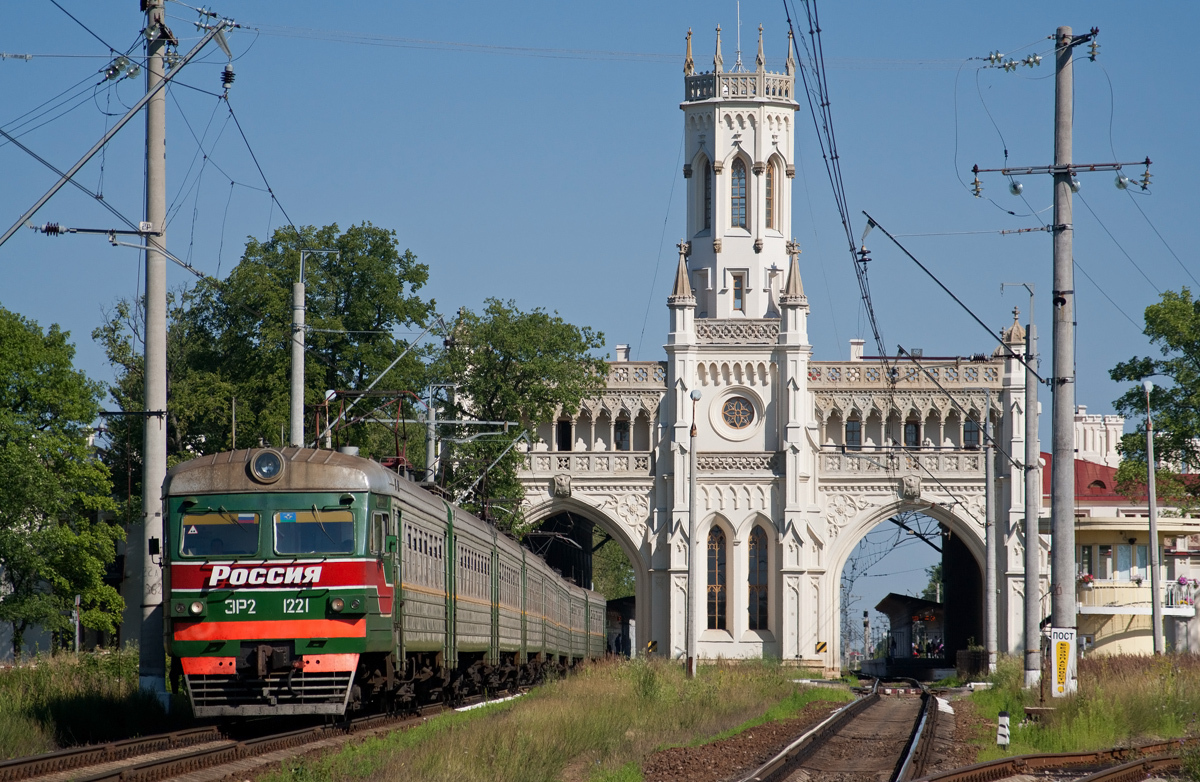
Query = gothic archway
x=963 y=558
x=636 y=552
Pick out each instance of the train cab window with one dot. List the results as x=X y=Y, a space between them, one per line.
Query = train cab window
x=314 y=532
x=218 y=534
x=379 y=531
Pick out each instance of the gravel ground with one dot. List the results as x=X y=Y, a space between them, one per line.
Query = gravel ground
x=736 y=756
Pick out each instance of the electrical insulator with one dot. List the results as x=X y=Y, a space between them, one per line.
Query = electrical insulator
x=1011 y=65
x=227 y=76
x=52 y=229
x=1093 y=50
x=978 y=187
x=1145 y=183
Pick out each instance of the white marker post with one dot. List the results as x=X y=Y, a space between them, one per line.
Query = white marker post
x=1002 y=731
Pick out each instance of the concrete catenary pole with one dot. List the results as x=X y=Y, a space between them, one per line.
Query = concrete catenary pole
x=696 y=595
x=151 y=660
x=297 y=416
x=1033 y=493
x=991 y=533
x=431 y=439
x=1062 y=496
x=1156 y=615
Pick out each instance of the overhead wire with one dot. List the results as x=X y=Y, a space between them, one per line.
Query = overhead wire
x=84 y=26
x=1128 y=257
x=661 y=240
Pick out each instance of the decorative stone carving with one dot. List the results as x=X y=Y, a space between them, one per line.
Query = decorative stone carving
x=562 y=485
x=718 y=166
x=741 y=462
x=758 y=245
x=790 y=171
x=758 y=168
x=841 y=508
x=737 y=332
x=716 y=245
x=910 y=487
x=632 y=509
x=687 y=170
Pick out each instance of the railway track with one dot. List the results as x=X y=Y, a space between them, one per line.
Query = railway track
x=173 y=755
x=874 y=738
x=1123 y=764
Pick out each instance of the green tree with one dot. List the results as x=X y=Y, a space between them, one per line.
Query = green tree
x=52 y=487
x=231 y=340
x=612 y=575
x=1173 y=326
x=935 y=585
x=522 y=367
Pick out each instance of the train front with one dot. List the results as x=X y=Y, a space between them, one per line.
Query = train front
x=269 y=592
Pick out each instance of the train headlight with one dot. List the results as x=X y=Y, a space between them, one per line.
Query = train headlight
x=196 y=608
x=337 y=604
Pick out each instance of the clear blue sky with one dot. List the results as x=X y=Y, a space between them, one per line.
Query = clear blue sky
x=531 y=151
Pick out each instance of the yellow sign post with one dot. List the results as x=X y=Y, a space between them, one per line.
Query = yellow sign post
x=1062 y=657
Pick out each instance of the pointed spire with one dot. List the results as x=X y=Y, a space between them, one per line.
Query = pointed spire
x=793 y=290
x=791 y=62
x=718 y=63
x=689 y=66
x=760 y=61
x=682 y=292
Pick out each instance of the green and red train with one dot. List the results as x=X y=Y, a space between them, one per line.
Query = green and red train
x=302 y=581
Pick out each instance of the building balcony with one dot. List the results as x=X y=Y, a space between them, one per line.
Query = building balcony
x=1134 y=598
x=742 y=85
x=546 y=464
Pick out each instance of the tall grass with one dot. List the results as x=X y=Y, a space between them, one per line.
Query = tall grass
x=1121 y=700
x=50 y=702
x=600 y=723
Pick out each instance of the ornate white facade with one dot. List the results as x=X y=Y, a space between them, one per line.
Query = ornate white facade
x=812 y=453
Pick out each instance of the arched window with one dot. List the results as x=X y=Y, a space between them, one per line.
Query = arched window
x=757 y=580
x=737 y=195
x=971 y=434
x=708 y=190
x=770 y=202
x=716 y=579
x=854 y=434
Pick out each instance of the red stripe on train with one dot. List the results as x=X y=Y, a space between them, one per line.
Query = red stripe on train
x=298 y=574
x=189 y=630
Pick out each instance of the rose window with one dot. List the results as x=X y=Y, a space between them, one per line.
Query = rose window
x=737 y=412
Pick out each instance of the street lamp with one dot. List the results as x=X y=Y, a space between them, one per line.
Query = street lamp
x=1155 y=586
x=693 y=545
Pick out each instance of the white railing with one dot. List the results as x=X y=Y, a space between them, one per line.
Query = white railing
x=850 y=462
x=702 y=86
x=548 y=463
x=950 y=374
x=737 y=331
x=1134 y=597
x=649 y=374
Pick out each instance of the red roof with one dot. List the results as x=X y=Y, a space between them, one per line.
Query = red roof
x=1093 y=482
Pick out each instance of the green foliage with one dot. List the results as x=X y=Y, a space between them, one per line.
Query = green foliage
x=232 y=339
x=516 y=366
x=632 y=709
x=935 y=585
x=52 y=487
x=59 y=701
x=612 y=575
x=1173 y=326
x=1121 y=700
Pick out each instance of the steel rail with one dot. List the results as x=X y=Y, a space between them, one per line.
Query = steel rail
x=1024 y=764
x=920 y=745
x=183 y=763
x=803 y=747
x=80 y=757
x=1136 y=770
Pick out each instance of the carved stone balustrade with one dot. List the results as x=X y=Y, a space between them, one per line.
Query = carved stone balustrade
x=637 y=374
x=737 y=331
x=544 y=464
x=740 y=462
x=758 y=84
x=952 y=374
x=942 y=463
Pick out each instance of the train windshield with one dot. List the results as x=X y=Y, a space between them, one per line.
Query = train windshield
x=314 y=532
x=218 y=534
